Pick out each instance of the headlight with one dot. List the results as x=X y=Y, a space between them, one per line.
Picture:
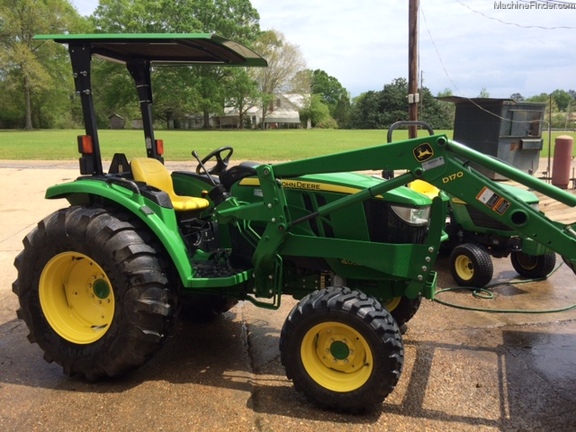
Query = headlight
x=413 y=215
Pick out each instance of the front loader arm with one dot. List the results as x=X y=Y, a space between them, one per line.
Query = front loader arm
x=444 y=163
x=435 y=159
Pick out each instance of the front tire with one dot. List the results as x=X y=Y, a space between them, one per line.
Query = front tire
x=533 y=266
x=93 y=291
x=471 y=265
x=342 y=349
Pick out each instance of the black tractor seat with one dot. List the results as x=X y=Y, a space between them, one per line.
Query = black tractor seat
x=237 y=173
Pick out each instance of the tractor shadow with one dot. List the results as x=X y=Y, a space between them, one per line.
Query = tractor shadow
x=525 y=381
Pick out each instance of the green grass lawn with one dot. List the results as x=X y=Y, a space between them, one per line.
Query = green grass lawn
x=269 y=145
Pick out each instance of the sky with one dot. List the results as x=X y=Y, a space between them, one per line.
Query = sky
x=504 y=47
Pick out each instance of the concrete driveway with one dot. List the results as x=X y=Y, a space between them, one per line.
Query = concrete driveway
x=463 y=370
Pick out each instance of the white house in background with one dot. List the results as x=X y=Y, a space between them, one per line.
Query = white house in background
x=231 y=119
x=283 y=112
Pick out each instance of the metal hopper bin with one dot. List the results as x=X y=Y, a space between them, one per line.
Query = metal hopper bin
x=508 y=130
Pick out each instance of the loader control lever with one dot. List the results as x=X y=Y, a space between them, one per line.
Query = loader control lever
x=202 y=167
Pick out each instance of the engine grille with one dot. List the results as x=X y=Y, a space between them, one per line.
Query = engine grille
x=386 y=227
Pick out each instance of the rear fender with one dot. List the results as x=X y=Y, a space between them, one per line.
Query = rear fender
x=161 y=220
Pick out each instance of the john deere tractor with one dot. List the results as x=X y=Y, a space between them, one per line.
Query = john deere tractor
x=100 y=281
x=474 y=237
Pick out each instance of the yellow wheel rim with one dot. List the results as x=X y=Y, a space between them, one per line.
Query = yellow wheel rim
x=392 y=303
x=76 y=297
x=528 y=262
x=337 y=357
x=464 y=267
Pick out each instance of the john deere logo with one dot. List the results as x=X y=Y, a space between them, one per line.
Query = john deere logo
x=423 y=152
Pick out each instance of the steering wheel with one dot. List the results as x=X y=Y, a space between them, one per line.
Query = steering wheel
x=222 y=160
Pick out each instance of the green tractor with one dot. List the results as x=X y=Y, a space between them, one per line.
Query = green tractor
x=100 y=282
x=474 y=237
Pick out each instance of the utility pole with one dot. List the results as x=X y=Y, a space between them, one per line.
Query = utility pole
x=413 y=96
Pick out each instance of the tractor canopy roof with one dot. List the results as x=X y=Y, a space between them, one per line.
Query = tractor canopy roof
x=140 y=52
x=164 y=48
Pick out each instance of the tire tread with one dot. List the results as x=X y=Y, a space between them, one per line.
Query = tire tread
x=145 y=303
x=333 y=303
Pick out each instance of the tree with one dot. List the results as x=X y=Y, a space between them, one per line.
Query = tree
x=24 y=61
x=241 y=94
x=445 y=93
x=285 y=61
x=542 y=97
x=379 y=110
x=484 y=93
x=176 y=97
x=342 y=111
x=365 y=111
x=559 y=104
x=233 y=19
x=145 y=16
x=333 y=94
x=438 y=114
x=394 y=102
x=552 y=111
x=328 y=87
x=317 y=113
x=517 y=97
x=448 y=109
x=562 y=99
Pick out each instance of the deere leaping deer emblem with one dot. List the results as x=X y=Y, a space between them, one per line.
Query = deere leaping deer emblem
x=423 y=152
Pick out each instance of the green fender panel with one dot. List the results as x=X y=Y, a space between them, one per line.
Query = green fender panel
x=161 y=220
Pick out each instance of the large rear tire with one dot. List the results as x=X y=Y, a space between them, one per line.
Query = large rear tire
x=93 y=291
x=342 y=349
x=471 y=265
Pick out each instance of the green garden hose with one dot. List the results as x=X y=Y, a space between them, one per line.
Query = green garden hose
x=485 y=293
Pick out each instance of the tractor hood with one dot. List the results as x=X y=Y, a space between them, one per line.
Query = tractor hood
x=346 y=183
x=351 y=182
x=522 y=194
x=184 y=48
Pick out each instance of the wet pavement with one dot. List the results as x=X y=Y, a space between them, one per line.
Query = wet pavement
x=464 y=370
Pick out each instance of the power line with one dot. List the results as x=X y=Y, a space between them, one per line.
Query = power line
x=547 y=2
x=436 y=49
x=572 y=6
x=450 y=78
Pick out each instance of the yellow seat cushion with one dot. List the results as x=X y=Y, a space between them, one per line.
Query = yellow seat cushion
x=154 y=173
